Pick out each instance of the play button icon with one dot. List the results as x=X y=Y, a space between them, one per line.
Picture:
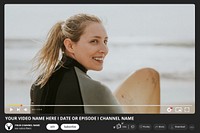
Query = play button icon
x=11 y=109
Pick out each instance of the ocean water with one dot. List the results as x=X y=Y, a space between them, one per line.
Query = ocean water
x=175 y=61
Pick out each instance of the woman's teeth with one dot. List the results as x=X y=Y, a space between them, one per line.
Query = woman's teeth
x=98 y=59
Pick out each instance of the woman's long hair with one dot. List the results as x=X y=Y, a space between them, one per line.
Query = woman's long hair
x=48 y=57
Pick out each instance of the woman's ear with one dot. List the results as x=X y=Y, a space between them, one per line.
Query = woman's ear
x=68 y=45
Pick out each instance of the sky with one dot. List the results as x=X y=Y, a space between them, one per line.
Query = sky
x=122 y=21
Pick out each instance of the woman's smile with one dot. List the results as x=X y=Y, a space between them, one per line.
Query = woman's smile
x=98 y=59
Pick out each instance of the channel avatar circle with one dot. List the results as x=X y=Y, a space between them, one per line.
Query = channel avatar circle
x=8 y=126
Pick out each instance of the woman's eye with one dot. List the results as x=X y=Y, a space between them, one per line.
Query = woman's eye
x=106 y=41
x=94 y=41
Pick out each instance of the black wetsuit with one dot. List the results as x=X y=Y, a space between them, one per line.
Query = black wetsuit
x=70 y=85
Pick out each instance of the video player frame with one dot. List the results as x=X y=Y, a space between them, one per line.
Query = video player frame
x=146 y=35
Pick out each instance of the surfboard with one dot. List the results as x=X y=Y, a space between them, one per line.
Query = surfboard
x=140 y=92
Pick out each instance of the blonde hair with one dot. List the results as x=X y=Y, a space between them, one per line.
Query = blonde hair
x=48 y=57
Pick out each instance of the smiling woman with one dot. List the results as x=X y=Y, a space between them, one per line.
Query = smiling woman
x=64 y=86
x=91 y=48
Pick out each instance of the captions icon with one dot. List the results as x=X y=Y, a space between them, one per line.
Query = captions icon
x=179 y=109
x=8 y=126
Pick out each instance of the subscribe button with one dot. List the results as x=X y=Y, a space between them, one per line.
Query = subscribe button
x=63 y=126
x=69 y=126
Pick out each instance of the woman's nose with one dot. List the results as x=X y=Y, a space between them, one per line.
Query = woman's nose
x=103 y=49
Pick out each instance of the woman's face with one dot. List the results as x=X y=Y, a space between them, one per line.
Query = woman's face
x=91 y=49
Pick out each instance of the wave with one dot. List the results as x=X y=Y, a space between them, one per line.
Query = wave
x=164 y=44
x=113 y=78
x=181 y=76
x=152 y=41
x=26 y=42
x=177 y=44
x=174 y=76
x=22 y=43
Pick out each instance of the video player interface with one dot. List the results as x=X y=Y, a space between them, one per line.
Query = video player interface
x=147 y=82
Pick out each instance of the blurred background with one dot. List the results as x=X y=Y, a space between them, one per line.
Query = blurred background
x=160 y=36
